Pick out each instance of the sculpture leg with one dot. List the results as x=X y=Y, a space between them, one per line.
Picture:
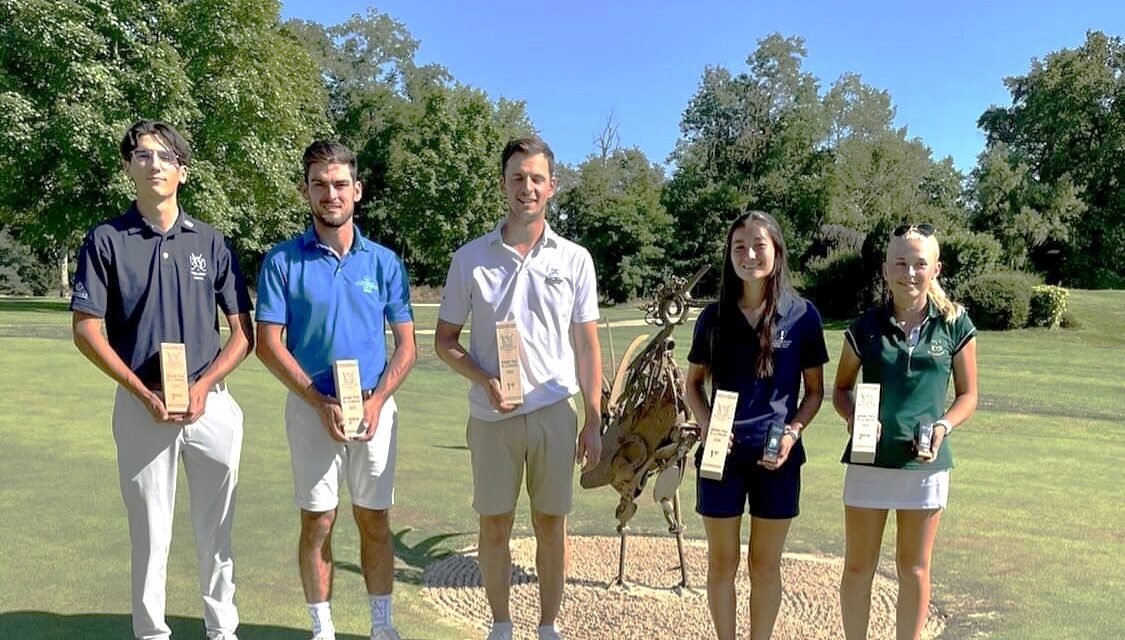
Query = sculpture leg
x=680 y=540
x=620 y=580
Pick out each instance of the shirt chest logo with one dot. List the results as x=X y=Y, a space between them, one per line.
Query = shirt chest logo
x=198 y=266
x=779 y=341
x=937 y=350
x=553 y=277
x=367 y=285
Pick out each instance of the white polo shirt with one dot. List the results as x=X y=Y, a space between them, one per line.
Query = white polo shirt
x=544 y=293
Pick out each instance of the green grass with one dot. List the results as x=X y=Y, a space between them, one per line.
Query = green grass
x=1031 y=546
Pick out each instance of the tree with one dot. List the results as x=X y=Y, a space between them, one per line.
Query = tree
x=1066 y=123
x=749 y=140
x=74 y=75
x=614 y=210
x=428 y=147
x=1023 y=213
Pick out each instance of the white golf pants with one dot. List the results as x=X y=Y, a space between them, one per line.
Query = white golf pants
x=148 y=453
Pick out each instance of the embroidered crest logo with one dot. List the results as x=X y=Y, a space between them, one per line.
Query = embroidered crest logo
x=553 y=277
x=80 y=291
x=198 y=266
x=368 y=285
x=937 y=350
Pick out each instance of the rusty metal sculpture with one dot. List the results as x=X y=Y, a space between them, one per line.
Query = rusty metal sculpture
x=646 y=418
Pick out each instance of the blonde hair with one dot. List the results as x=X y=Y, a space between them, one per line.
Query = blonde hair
x=948 y=309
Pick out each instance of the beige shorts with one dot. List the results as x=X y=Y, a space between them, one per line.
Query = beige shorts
x=545 y=440
x=319 y=462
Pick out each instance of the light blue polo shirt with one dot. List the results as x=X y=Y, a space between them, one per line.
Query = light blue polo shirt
x=332 y=308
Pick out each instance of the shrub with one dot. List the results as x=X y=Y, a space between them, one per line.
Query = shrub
x=998 y=301
x=832 y=283
x=22 y=272
x=1048 y=306
x=966 y=255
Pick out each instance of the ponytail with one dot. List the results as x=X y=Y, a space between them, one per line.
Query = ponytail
x=949 y=309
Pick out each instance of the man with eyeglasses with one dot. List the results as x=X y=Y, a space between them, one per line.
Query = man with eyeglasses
x=152 y=277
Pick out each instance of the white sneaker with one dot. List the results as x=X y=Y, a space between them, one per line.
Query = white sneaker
x=499 y=634
x=384 y=633
x=325 y=635
x=549 y=633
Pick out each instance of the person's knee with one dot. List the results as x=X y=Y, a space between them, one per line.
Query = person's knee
x=316 y=527
x=916 y=572
x=495 y=531
x=764 y=567
x=722 y=565
x=855 y=569
x=547 y=525
x=374 y=525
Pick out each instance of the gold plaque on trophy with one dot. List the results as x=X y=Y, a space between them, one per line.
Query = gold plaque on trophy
x=508 y=349
x=865 y=424
x=349 y=393
x=718 y=435
x=173 y=376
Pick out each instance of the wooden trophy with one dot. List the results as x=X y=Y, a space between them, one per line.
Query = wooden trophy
x=508 y=350
x=349 y=393
x=173 y=376
x=773 y=442
x=865 y=425
x=718 y=435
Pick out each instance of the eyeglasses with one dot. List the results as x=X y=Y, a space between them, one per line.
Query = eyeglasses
x=924 y=229
x=145 y=156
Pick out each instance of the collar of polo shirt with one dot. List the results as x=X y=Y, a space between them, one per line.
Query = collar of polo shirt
x=549 y=239
x=888 y=312
x=138 y=224
x=359 y=243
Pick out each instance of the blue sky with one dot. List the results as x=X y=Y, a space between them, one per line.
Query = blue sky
x=576 y=62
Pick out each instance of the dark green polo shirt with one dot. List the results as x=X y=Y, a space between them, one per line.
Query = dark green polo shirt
x=913 y=380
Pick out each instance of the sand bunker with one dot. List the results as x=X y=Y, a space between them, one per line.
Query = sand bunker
x=648 y=608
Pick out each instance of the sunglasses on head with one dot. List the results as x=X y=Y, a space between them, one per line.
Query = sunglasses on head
x=924 y=229
x=145 y=156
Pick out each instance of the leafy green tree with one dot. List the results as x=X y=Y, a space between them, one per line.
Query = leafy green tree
x=1066 y=123
x=1023 y=213
x=75 y=74
x=749 y=140
x=614 y=210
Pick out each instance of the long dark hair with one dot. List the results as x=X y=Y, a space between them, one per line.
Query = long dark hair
x=777 y=282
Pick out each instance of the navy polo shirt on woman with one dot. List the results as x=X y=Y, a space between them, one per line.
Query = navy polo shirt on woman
x=334 y=308
x=152 y=287
x=731 y=353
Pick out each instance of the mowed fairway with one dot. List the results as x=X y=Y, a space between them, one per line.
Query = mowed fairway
x=1032 y=546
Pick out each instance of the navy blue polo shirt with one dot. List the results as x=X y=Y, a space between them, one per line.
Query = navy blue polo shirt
x=152 y=287
x=731 y=350
x=334 y=308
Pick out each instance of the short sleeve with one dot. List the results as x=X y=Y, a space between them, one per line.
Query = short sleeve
x=700 y=352
x=585 y=291
x=91 y=280
x=813 y=350
x=231 y=293
x=272 y=302
x=397 y=286
x=855 y=336
x=455 y=300
x=963 y=330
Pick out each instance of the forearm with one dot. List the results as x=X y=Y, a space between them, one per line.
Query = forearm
x=590 y=379
x=962 y=408
x=237 y=348
x=450 y=351
x=843 y=400
x=281 y=363
x=400 y=364
x=93 y=345
x=807 y=410
x=697 y=401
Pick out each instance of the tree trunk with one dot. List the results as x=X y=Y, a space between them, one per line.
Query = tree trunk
x=64 y=273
